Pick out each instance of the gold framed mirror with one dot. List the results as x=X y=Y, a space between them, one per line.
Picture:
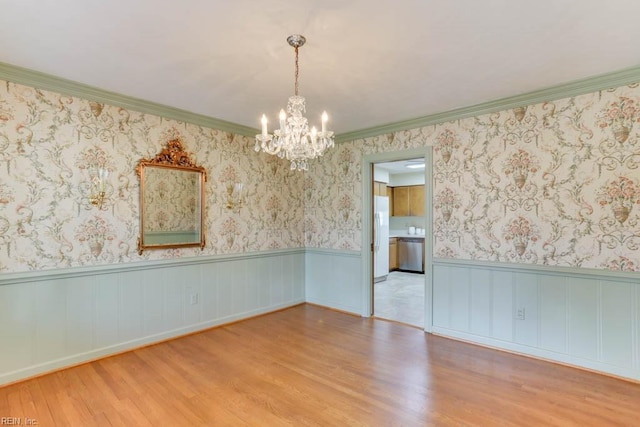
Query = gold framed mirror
x=171 y=200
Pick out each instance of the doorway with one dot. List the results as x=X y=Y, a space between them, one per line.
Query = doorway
x=399 y=230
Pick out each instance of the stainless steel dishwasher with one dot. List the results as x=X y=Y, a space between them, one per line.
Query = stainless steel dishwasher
x=410 y=254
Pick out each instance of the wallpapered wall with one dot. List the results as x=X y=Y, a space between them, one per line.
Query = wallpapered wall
x=48 y=142
x=555 y=183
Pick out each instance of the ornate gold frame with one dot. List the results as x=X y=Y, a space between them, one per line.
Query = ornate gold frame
x=175 y=161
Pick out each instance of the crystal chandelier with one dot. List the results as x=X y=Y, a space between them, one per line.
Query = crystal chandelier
x=293 y=140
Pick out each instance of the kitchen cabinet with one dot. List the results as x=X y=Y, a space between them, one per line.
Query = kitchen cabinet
x=416 y=200
x=390 y=196
x=379 y=188
x=393 y=254
x=408 y=200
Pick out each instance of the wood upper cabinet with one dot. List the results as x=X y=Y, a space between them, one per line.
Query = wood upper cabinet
x=401 y=201
x=416 y=200
x=408 y=200
x=379 y=188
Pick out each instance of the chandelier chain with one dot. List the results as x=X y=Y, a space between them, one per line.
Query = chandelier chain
x=297 y=72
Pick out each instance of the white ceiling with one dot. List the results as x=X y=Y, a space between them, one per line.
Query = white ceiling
x=367 y=62
x=400 y=167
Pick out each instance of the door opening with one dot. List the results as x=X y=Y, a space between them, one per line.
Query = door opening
x=398 y=218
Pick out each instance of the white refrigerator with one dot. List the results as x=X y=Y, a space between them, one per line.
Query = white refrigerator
x=380 y=238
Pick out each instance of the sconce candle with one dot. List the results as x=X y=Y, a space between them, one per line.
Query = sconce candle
x=103 y=174
x=235 y=197
x=98 y=188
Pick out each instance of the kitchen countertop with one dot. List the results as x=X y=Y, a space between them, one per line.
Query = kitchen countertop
x=395 y=233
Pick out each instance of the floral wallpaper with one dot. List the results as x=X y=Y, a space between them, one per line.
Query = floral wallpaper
x=50 y=147
x=555 y=183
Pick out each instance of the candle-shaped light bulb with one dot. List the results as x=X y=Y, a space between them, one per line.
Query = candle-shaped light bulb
x=283 y=117
x=238 y=189
x=314 y=134
x=102 y=178
x=264 y=125
x=325 y=117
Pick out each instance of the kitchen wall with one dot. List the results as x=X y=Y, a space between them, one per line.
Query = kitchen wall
x=400 y=179
x=402 y=223
x=73 y=286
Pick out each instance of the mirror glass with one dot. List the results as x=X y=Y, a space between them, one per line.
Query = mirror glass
x=171 y=201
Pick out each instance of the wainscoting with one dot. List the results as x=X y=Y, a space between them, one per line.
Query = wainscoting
x=53 y=319
x=333 y=278
x=582 y=317
x=588 y=318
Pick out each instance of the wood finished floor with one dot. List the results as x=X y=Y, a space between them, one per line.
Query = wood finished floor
x=312 y=366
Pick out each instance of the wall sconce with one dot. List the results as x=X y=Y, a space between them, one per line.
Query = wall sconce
x=97 y=195
x=235 y=196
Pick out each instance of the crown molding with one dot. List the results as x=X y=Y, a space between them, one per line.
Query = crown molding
x=565 y=90
x=52 y=83
x=44 y=81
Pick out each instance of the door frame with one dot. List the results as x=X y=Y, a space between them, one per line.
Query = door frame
x=367 y=226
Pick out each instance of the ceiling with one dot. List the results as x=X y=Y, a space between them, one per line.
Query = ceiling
x=367 y=62
x=400 y=166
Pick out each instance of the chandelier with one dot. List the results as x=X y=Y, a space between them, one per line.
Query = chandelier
x=294 y=141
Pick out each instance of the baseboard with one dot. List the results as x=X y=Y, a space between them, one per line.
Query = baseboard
x=35 y=371
x=334 y=305
x=540 y=354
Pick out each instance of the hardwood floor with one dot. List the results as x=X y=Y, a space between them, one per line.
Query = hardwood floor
x=312 y=366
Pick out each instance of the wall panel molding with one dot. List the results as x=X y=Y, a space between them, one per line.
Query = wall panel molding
x=55 y=319
x=333 y=278
x=584 y=317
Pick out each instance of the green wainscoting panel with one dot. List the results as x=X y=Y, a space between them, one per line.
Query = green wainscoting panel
x=53 y=319
x=582 y=317
x=333 y=279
